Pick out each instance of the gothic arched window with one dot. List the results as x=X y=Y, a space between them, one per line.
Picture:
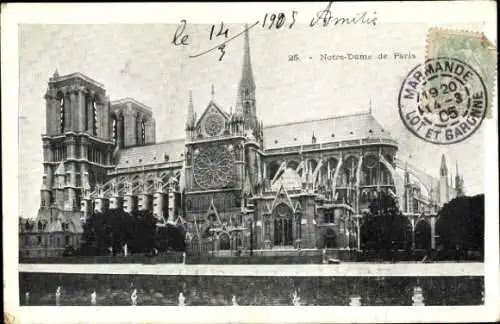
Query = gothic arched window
x=137 y=134
x=121 y=130
x=61 y=114
x=114 y=129
x=143 y=132
x=86 y=112
x=94 y=114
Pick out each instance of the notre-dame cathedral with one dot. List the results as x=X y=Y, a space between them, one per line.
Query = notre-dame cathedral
x=232 y=179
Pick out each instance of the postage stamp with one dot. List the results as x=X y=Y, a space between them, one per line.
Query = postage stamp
x=445 y=99
x=284 y=162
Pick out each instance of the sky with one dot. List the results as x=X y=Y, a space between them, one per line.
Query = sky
x=140 y=61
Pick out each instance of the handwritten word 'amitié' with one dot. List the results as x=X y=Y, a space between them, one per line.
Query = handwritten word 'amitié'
x=274 y=21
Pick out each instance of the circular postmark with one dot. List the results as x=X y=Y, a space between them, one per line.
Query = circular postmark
x=443 y=101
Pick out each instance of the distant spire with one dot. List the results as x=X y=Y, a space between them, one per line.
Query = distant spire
x=213 y=92
x=190 y=114
x=370 y=106
x=444 y=168
x=56 y=74
x=247 y=80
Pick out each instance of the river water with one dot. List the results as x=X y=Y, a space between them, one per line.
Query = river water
x=155 y=290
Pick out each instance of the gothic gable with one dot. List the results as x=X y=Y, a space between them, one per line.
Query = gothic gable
x=282 y=198
x=212 y=122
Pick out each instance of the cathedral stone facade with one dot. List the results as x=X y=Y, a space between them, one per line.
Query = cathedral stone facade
x=232 y=180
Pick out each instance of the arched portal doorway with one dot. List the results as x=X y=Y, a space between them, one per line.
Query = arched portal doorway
x=224 y=242
x=423 y=235
x=330 y=239
x=283 y=226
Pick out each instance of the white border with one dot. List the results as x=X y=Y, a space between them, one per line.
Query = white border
x=445 y=14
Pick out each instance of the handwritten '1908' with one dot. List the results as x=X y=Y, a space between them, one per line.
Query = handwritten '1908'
x=274 y=20
x=271 y=21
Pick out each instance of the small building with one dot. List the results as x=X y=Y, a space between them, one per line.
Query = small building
x=46 y=238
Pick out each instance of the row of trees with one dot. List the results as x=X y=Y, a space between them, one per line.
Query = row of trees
x=109 y=232
x=459 y=228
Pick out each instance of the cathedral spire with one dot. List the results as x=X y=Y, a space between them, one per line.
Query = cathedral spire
x=247 y=81
x=190 y=113
x=444 y=169
x=213 y=92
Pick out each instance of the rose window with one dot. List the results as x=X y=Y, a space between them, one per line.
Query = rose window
x=213 y=168
x=213 y=125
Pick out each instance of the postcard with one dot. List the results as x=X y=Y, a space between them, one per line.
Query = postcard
x=244 y=162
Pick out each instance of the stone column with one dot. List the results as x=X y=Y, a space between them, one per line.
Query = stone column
x=433 y=232
x=84 y=148
x=128 y=199
x=158 y=199
x=85 y=205
x=115 y=200
x=143 y=201
x=413 y=232
x=84 y=174
x=128 y=204
x=70 y=186
x=171 y=205
x=100 y=205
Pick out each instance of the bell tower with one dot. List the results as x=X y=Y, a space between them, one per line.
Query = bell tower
x=77 y=147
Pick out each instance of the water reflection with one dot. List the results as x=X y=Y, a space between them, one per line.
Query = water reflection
x=93 y=298
x=58 y=296
x=417 y=298
x=355 y=301
x=133 y=297
x=295 y=299
x=114 y=290
x=182 y=299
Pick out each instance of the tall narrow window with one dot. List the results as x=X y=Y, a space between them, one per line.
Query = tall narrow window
x=121 y=130
x=143 y=132
x=78 y=180
x=61 y=114
x=114 y=128
x=86 y=111
x=94 y=114
x=137 y=134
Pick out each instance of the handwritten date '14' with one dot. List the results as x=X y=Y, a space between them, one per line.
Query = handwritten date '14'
x=273 y=21
x=270 y=21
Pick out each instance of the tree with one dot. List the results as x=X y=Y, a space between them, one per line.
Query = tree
x=170 y=237
x=385 y=228
x=461 y=224
x=138 y=230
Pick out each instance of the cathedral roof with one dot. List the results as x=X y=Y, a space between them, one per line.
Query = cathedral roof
x=170 y=151
x=330 y=129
